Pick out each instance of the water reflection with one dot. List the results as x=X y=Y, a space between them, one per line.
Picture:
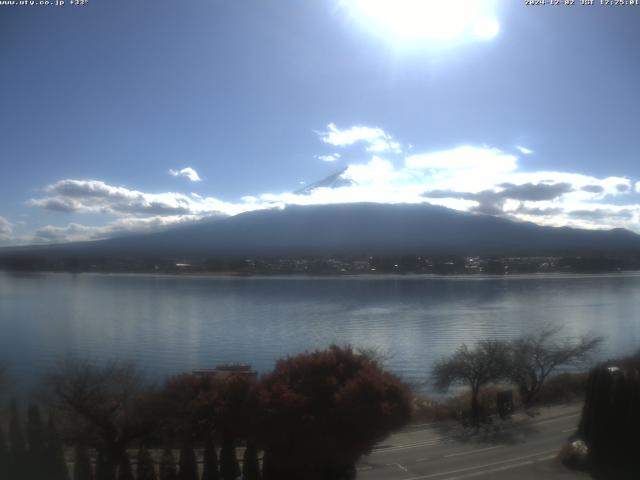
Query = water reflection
x=171 y=324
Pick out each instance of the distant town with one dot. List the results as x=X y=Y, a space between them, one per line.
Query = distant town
x=327 y=265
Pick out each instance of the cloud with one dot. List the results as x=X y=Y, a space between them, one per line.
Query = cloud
x=493 y=201
x=471 y=178
x=543 y=212
x=375 y=138
x=593 y=188
x=329 y=158
x=95 y=196
x=75 y=232
x=524 y=150
x=481 y=179
x=187 y=172
x=6 y=230
x=5 y=227
x=464 y=158
x=599 y=215
x=127 y=211
x=534 y=191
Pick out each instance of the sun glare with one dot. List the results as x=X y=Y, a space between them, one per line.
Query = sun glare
x=443 y=21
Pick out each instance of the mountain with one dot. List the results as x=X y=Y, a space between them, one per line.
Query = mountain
x=335 y=180
x=363 y=229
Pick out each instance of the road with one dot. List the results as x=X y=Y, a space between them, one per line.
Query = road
x=523 y=448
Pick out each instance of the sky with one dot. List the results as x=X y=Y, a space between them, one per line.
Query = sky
x=122 y=116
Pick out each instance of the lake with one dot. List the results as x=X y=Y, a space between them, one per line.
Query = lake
x=170 y=324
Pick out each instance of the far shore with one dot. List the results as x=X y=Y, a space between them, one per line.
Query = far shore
x=330 y=276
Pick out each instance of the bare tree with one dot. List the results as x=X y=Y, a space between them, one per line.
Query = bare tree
x=106 y=406
x=534 y=357
x=473 y=367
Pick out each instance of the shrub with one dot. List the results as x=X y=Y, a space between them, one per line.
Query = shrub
x=321 y=411
x=611 y=415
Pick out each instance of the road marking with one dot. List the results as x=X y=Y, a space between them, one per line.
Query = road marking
x=409 y=446
x=415 y=427
x=461 y=470
x=502 y=469
x=402 y=467
x=405 y=447
x=469 y=452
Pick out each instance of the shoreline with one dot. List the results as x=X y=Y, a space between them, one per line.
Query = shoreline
x=333 y=276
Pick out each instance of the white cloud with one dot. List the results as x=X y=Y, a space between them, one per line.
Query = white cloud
x=583 y=215
x=5 y=226
x=187 y=172
x=134 y=211
x=464 y=158
x=481 y=179
x=506 y=197
x=6 y=230
x=468 y=178
x=75 y=232
x=375 y=138
x=524 y=150
x=95 y=196
x=329 y=158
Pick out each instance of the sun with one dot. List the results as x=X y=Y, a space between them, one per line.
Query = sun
x=444 y=21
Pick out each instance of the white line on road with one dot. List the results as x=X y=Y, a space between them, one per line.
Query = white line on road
x=469 y=452
x=405 y=447
x=429 y=443
x=468 y=469
x=408 y=446
x=502 y=469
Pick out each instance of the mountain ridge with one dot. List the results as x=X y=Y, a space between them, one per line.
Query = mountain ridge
x=358 y=228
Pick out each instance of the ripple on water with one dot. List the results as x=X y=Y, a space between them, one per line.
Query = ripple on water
x=172 y=324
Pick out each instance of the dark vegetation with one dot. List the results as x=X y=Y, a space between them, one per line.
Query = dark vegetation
x=562 y=388
x=473 y=368
x=526 y=362
x=311 y=418
x=337 y=264
x=611 y=419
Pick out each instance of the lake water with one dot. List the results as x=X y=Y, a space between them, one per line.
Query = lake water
x=170 y=324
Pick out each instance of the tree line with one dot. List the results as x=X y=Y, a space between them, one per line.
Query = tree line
x=311 y=418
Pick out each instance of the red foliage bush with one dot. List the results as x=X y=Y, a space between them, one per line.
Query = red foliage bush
x=329 y=407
